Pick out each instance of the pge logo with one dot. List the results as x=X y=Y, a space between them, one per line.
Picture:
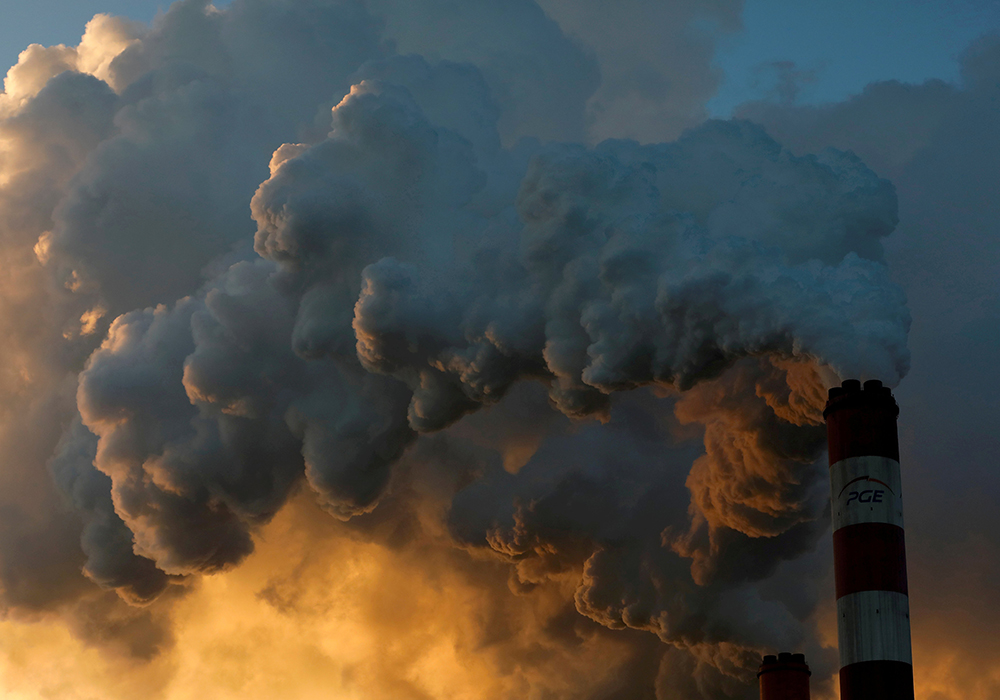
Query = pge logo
x=868 y=495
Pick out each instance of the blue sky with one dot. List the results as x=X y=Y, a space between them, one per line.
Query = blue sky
x=59 y=21
x=833 y=47
x=842 y=45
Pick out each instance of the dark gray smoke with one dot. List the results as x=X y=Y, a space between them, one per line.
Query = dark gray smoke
x=619 y=351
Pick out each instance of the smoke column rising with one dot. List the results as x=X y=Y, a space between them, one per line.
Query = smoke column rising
x=259 y=257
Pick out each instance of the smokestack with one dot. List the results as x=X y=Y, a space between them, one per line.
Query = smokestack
x=873 y=612
x=784 y=677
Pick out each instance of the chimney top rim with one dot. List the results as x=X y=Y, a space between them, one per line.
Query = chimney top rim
x=785 y=661
x=850 y=394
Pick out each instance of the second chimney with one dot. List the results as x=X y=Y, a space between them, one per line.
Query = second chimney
x=784 y=677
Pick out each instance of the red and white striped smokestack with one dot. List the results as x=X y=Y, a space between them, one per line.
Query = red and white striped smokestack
x=873 y=611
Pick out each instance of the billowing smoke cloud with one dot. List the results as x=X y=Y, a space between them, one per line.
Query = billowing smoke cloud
x=655 y=59
x=938 y=143
x=275 y=253
x=617 y=281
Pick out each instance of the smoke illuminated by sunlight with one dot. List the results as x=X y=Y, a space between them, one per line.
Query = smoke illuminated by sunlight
x=340 y=361
x=310 y=615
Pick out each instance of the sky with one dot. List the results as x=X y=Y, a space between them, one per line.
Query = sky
x=837 y=48
x=834 y=47
x=422 y=349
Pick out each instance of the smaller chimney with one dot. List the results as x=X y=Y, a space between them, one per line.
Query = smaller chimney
x=784 y=677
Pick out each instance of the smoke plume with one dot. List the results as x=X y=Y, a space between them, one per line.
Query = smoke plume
x=295 y=252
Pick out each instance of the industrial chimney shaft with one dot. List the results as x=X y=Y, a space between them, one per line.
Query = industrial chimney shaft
x=873 y=613
x=784 y=677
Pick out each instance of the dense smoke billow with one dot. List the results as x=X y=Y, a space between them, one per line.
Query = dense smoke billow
x=290 y=247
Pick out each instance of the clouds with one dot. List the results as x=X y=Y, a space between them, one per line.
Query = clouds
x=104 y=38
x=127 y=167
x=656 y=63
x=295 y=252
x=937 y=144
x=540 y=77
x=616 y=281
